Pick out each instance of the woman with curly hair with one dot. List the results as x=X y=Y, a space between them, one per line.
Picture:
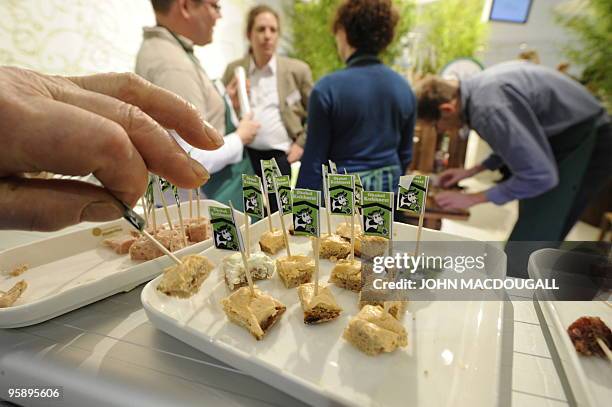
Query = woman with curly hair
x=361 y=117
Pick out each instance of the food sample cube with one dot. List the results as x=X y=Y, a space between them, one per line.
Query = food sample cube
x=184 y=280
x=333 y=247
x=344 y=230
x=257 y=313
x=198 y=229
x=395 y=308
x=272 y=242
x=295 y=270
x=319 y=308
x=368 y=247
x=260 y=266
x=374 y=331
x=347 y=274
x=144 y=249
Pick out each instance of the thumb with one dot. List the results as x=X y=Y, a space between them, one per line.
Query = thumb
x=53 y=204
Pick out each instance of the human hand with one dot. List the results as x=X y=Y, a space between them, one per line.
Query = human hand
x=295 y=153
x=247 y=128
x=459 y=200
x=452 y=176
x=111 y=125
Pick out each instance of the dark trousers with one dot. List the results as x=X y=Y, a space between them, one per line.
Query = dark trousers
x=597 y=176
x=281 y=160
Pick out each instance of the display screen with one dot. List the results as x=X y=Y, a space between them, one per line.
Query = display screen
x=511 y=11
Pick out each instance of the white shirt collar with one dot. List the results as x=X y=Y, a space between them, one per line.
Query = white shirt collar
x=271 y=65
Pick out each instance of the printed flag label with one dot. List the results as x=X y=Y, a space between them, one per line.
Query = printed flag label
x=412 y=193
x=283 y=197
x=377 y=213
x=252 y=195
x=305 y=210
x=225 y=233
x=341 y=194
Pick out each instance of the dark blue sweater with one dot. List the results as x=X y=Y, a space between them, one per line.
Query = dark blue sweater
x=361 y=117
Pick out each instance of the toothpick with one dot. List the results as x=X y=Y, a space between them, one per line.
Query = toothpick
x=267 y=203
x=181 y=224
x=247 y=246
x=605 y=349
x=164 y=204
x=282 y=217
x=391 y=224
x=145 y=207
x=316 y=256
x=162 y=247
x=198 y=202
x=326 y=197
x=352 y=220
x=153 y=219
x=245 y=260
x=191 y=205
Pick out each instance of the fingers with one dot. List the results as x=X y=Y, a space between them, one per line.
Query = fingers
x=165 y=107
x=66 y=139
x=27 y=204
x=161 y=154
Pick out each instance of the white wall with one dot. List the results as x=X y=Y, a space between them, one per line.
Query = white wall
x=74 y=37
x=540 y=32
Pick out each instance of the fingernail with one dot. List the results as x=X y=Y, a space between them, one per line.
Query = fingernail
x=101 y=211
x=214 y=134
x=199 y=170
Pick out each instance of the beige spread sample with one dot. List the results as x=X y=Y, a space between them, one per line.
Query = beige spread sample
x=333 y=247
x=257 y=313
x=320 y=308
x=184 y=280
x=295 y=270
x=272 y=242
x=374 y=331
x=347 y=274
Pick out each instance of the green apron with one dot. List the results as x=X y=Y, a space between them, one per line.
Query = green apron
x=226 y=185
x=542 y=218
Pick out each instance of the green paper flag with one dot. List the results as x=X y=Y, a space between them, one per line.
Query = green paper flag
x=283 y=197
x=341 y=194
x=305 y=210
x=252 y=196
x=377 y=213
x=163 y=184
x=269 y=169
x=225 y=233
x=412 y=193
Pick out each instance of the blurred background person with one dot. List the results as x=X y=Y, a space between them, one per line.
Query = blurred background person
x=361 y=117
x=551 y=133
x=166 y=58
x=279 y=92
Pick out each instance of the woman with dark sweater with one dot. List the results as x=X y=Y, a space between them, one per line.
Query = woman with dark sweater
x=361 y=117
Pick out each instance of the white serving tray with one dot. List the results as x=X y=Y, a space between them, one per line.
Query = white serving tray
x=589 y=378
x=453 y=358
x=72 y=270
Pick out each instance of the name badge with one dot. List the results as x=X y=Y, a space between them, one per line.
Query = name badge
x=293 y=98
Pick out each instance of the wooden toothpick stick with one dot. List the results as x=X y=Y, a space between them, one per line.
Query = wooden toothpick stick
x=164 y=204
x=245 y=260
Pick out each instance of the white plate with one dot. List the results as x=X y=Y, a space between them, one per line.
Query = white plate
x=590 y=378
x=75 y=269
x=453 y=357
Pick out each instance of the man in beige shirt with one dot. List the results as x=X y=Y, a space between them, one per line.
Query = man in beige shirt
x=279 y=91
x=166 y=59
